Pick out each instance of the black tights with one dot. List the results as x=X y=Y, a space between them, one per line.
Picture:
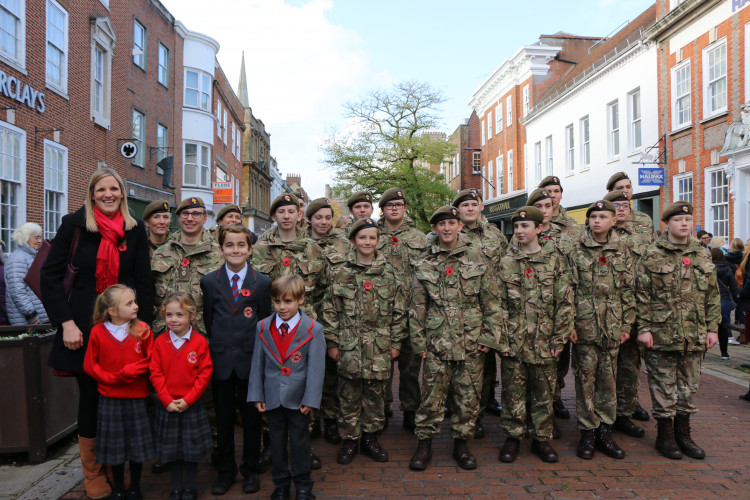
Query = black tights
x=191 y=470
x=88 y=405
x=118 y=475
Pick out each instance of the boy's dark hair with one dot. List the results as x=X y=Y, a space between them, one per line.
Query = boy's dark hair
x=701 y=233
x=717 y=255
x=236 y=229
x=291 y=285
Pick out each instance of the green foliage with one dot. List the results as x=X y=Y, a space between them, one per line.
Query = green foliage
x=387 y=146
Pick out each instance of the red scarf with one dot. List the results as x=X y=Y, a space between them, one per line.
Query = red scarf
x=108 y=257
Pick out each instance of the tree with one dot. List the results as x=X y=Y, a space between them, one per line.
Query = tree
x=387 y=146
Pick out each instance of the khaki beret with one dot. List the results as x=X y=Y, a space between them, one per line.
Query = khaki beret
x=616 y=195
x=467 y=194
x=283 y=200
x=316 y=205
x=155 y=207
x=677 y=208
x=443 y=213
x=362 y=224
x=227 y=209
x=300 y=197
x=532 y=214
x=358 y=197
x=600 y=206
x=536 y=195
x=192 y=202
x=550 y=180
x=616 y=177
x=390 y=195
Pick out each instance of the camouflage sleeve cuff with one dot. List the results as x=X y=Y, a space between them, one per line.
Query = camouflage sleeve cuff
x=490 y=343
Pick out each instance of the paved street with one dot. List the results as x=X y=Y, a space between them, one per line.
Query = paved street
x=721 y=428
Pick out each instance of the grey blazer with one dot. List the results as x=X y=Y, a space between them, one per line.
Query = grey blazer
x=304 y=366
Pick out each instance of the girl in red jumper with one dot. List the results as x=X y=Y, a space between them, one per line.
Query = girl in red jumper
x=118 y=358
x=180 y=372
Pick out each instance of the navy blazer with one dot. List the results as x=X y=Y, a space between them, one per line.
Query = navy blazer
x=297 y=380
x=230 y=326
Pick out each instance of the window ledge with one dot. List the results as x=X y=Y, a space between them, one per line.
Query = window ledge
x=570 y=174
x=102 y=122
x=613 y=159
x=586 y=168
x=681 y=128
x=635 y=152
x=720 y=114
x=58 y=91
x=14 y=64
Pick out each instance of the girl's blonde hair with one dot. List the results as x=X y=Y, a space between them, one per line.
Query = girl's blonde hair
x=186 y=301
x=745 y=256
x=98 y=175
x=736 y=244
x=110 y=299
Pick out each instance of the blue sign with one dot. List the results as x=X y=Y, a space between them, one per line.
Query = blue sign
x=650 y=176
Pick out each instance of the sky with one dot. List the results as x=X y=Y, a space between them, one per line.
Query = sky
x=306 y=58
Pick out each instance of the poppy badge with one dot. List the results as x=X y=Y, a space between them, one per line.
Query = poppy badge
x=603 y=260
x=285 y=370
x=122 y=246
x=245 y=292
x=286 y=261
x=686 y=262
x=449 y=271
x=185 y=262
x=529 y=272
x=368 y=285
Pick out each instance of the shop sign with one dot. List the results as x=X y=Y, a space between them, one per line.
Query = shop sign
x=223 y=192
x=12 y=87
x=650 y=176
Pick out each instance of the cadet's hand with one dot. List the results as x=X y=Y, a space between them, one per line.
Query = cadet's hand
x=172 y=408
x=624 y=336
x=711 y=339
x=555 y=352
x=504 y=354
x=72 y=336
x=422 y=354
x=484 y=349
x=333 y=353
x=394 y=354
x=181 y=405
x=305 y=409
x=261 y=407
x=574 y=337
x=647 y=340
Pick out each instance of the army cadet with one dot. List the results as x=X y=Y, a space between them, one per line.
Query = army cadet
x=335 y=248
x=560 y=222
x=678 y=317
x=629 y=355
x=184 y=259
x=302 y=221
x=229 y=214
x=604 y=314
x=640 y=221
x=365 y=318
x=538 y=304
x=456 y=320
x=157 y=218
x=493 y=244
x=401 y=243
x=360 y=207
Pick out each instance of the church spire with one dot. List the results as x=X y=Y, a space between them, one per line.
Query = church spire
x=242 y=87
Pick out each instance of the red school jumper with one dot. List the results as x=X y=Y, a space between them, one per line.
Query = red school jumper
x=182 y=373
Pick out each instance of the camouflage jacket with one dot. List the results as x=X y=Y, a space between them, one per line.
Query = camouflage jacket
x=302 y=256
x=677 y=295
x=604 y=295
x=563 y=243
x=402 y=246
x=364 y=315
x=488 y=238
x=642 y=224
x=565 y=224
x=637 y=242
x=454 y=303
x=536 y=294
x=174 y=268
x=335 y=248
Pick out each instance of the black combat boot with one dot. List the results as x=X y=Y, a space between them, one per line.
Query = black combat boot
x=372 y=448
x=560 y=410
x=409 y=419
x=640 y=414
x=331 y=431
x=422 y=456
x=479 y=429
x=544 y=450
x=682 y=436
x=626 y=426
x=585 y=448
x=509 y=451
x=606 y=444
x=462 y=455
x=665 y=443
x=347 y=451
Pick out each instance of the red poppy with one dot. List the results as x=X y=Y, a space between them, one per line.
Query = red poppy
x=449 y=271
x=245 y=292
x=394 y=239
x=285 y=370
x=185 y=262
x=603 y=260
x=286 y=261
x=368 y=285
x=122 y=247
x=686 y=262
x=529 y=272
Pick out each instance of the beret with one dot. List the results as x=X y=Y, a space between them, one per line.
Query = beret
x=443 y=213
x=390 y=195
x=536 y=195
x=358 y=197
x=616 y=177
x=677 y=208
x=226 y=209
x=362 y=224
x=155 y=207
x=283 y=200
x=601 y=206
x=192 y=202
x=550 y=180
x=466 y=194
x=528 y=214
x=616 y=195
x=316 y=205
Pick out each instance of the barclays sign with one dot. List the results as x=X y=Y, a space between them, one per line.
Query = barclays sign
x=25 y=94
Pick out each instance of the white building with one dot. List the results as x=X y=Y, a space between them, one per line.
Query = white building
x=600 y=119
x=277 y=182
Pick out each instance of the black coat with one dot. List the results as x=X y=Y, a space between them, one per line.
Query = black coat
x=135 y=271
x=230 y=327
x=727 y=283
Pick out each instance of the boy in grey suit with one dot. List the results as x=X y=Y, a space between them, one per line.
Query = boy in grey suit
x=286 y=382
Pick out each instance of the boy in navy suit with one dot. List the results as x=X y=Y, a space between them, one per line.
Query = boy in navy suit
x=235 y=296
x=286 y=382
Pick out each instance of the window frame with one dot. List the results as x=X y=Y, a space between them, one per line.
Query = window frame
x=635 y=121
x=162 y=145
x=500 y=174
x=489 y=125
x=677 y=193
x=709 y=195
x=200 y=91
x=476 y=162
x=526 y=100
x=585 y=140
x=499 y=117
x=62 y=192
x=509 y=110
x=19 y=217
x=613 y=130
x=139 y=160
x=19 y=60
x=61 y=87
x=509 y=154
x=684 y=67
x=538 y=161
x=484 y=140
x=162 y=68
x=199 y=166
x=570 y=151
x=708 y=111
x=549 y=155
x=140 y=60
x=103 y=37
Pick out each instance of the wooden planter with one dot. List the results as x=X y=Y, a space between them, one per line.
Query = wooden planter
x=36 y=408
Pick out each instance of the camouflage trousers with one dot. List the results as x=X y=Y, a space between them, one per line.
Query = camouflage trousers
x=595 y=369
x=408 y=382
x=526 y=383
x=563 y=365
x=361 y=407
x=458 y=382
x=673 y=379
x=329 y=404
x=628 y=369
x=489 y=382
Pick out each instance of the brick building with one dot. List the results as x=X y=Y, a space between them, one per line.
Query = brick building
x=464 y=169
x=703 y=83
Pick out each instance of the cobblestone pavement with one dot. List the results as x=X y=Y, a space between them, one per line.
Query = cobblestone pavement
x=721 y=427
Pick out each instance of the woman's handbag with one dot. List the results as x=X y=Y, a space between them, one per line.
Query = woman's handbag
x=34 y=275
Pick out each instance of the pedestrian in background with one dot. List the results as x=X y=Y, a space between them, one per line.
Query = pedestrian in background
x=23 y=306
x=728 y=292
